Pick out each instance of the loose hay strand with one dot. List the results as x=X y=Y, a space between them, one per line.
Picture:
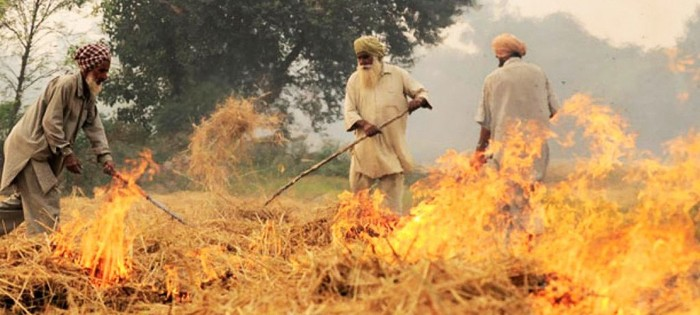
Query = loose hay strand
x=221 y=142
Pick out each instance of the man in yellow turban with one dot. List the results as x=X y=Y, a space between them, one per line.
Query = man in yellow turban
x=516 y=94
x=370 y=45
x=375 y=93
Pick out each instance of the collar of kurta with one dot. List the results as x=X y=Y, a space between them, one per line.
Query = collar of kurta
x=512 y=60
x=385 y=69
x=80 y=83
x=80 y=93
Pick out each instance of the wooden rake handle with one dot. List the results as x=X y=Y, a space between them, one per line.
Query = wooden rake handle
x=148 y=197
x=331 y=157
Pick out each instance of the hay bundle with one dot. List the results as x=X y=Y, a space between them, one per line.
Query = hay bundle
x=221 y=142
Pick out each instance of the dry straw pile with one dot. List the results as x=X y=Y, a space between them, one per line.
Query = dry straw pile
x=239 y=258
x=221 y=142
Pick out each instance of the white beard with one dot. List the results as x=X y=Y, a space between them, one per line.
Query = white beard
x=95 y=88
x=370 y=75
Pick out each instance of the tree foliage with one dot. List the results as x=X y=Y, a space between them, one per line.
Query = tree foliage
x=179 y=57
x=25 y=24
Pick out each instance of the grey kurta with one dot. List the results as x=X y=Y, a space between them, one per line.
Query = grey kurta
x=50 y=127
x=517 y=91
x=387 y=152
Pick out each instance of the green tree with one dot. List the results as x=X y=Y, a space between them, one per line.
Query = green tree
x=24 y=26
x=179 y=57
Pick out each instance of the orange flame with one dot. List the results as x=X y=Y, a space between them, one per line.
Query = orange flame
x=679 y=63
x=686 y=64
x=104 y=245
x=600 y=257
x=683 y=97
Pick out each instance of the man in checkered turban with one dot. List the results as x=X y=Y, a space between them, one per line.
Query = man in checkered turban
x=41 y=144
x=91 y=55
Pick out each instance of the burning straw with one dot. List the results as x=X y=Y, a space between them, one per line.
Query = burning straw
x=595 y=256
x=104 y=245
x=221 y=142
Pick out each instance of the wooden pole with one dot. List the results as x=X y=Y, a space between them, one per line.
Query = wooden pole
x=148 y=197
x=331 y=157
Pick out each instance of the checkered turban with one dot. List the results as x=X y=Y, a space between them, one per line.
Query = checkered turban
x=91 y=55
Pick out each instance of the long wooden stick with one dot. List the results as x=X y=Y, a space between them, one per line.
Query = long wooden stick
x=148 y=197
x=331 y=157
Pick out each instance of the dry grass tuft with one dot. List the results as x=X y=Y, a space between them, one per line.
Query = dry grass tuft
x=221 y=142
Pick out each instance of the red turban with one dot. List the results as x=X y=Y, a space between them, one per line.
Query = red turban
x=91 y=55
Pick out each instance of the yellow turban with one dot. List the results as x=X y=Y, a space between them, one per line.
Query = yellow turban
x=506 y=44
x=370 y=45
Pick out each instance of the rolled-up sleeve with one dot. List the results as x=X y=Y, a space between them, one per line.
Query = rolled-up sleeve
x=483 y=114
x=351 y=113
x=413 y=88
x=552 y=100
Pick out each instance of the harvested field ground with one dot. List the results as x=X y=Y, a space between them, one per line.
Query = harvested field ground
x=613 y=232
x=237 y=257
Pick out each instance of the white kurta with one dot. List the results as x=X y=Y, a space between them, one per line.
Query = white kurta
x=387 y=152
x=517 y=91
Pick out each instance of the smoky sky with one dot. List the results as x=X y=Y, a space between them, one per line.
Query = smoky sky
x=634 y=82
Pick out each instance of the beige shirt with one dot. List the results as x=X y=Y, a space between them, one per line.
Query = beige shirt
x=385 y=153
x=51 y=126
x=517 y=91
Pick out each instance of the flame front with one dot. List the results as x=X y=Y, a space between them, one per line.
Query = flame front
x=599 y=254
x=104 y=245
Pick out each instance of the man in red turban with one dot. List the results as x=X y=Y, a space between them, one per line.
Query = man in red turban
x=41 y=144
